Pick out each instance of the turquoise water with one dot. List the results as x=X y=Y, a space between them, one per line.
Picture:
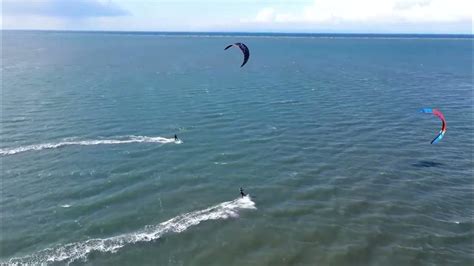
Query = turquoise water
x=323 y=133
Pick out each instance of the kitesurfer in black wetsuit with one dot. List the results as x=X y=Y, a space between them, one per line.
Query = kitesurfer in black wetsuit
x=175 y=137
x=242 y=192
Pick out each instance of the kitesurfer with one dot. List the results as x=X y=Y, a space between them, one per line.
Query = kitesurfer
x=175 y=137
x=242 y=192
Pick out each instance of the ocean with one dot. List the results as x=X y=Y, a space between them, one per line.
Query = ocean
x=323 y=132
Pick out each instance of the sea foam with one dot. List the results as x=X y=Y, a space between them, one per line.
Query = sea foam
x=123 y=140
x=79 y=250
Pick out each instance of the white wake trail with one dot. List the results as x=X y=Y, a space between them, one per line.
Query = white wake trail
x=80 y=250
x=126 y=140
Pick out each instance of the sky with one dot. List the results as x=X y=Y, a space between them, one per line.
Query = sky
x=305 y=16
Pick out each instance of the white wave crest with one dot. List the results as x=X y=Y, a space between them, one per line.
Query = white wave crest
x=129 y=139
x=80 y=250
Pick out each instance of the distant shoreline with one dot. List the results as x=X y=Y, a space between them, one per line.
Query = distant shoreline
x=265 y=34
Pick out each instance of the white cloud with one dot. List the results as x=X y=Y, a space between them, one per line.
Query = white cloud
x=32 y=22
x=407 y=4
x=347 y=12
x=265 y=15
x=62 y=8
x=56 y=14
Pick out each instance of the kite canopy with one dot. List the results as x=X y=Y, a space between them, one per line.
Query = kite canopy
x=243 y=48
x=440 y=115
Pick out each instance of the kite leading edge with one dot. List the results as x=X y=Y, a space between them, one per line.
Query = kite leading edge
x=244 y=49
x=440 y=115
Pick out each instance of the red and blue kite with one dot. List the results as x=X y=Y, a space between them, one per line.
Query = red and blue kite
x=440 y=115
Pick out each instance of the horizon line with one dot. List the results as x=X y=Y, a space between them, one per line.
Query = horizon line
x=247 y=32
